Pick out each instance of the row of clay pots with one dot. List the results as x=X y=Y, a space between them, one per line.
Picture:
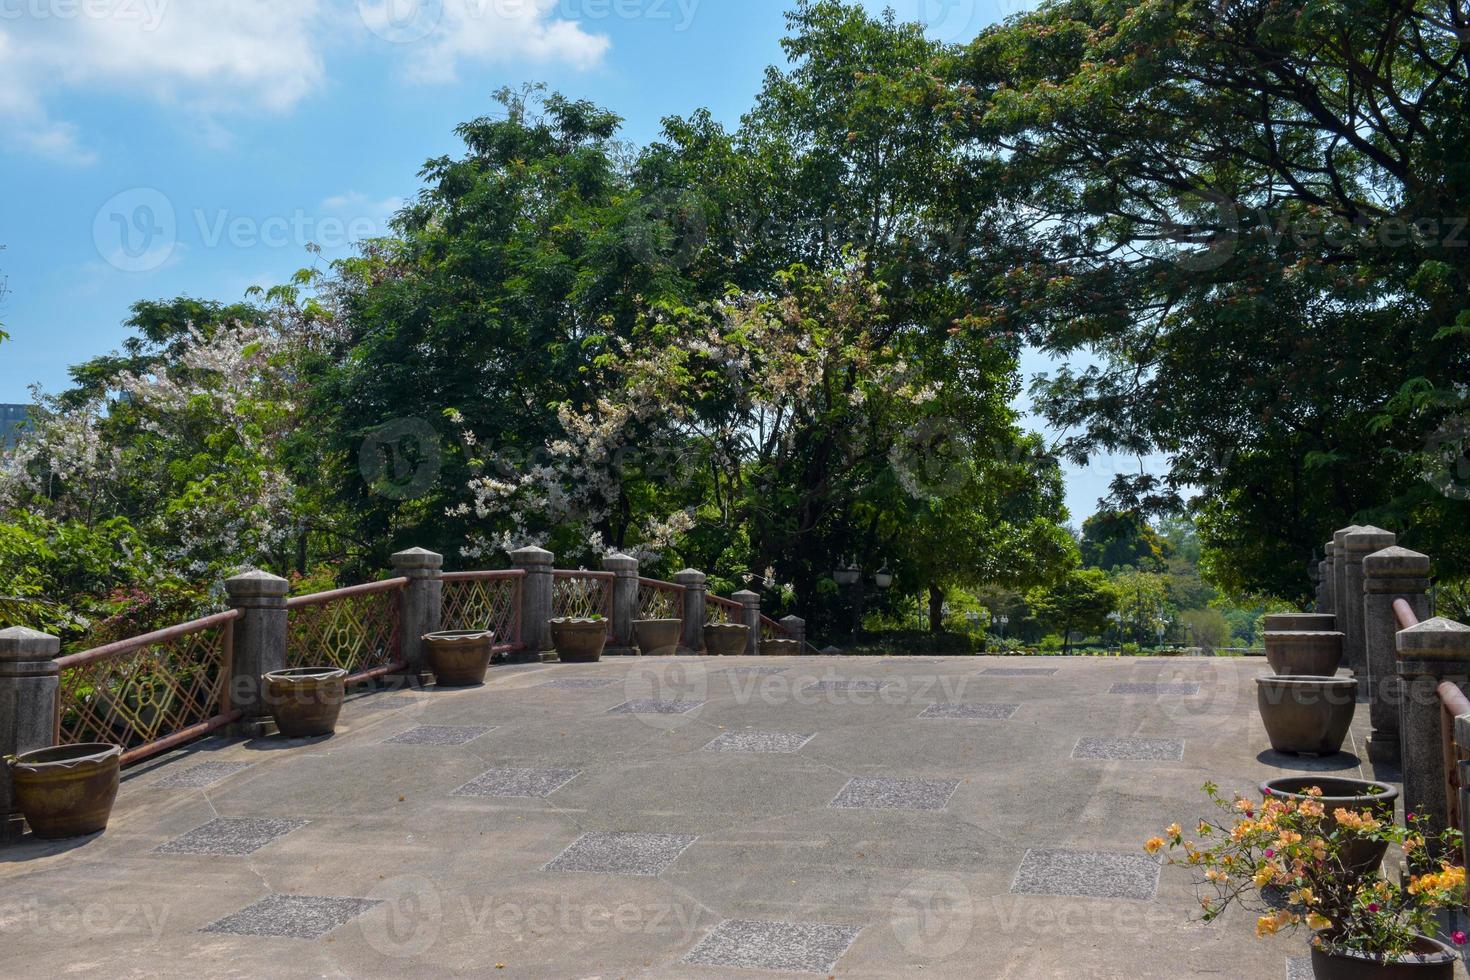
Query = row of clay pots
x=1306 y=708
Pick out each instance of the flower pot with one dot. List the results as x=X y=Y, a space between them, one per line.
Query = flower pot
x=460 y=659
x=1432 y=960
x=1298 y=653
x=67 y=790
x=726 y=639
x=1307 y=715
x=1360 y=857
x=1301 y=623
x=579 y=641
x=658 y=637
x=305 y=701
x=780 y=648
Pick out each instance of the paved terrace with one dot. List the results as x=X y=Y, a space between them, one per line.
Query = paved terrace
x=680 y=818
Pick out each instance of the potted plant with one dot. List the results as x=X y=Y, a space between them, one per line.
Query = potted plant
x=66 y=790
x=1287 y=860
x=460 y=658
x=305 y=701
x=658 y=637
x=780 y=648
x=726 y=639
x=579 y=641
x=1307 y=715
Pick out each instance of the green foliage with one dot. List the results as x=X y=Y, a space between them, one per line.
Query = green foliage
x=1207 y=628
x=1079 y=603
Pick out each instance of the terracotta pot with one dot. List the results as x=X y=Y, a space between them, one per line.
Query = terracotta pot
x=727 y=639
x=579 y=641
x=1300 y=653
x=658 y=637
x=1432 y=960
x=780 y=648
x=1307 y=715
x=305 y=701
x=1358 y=858
x=1301 y=623
x=460 y=659
x=67 y=790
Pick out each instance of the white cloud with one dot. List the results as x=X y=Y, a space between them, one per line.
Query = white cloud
x=482 y=30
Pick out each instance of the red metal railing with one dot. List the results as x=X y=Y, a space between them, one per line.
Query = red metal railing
x=152 y=692
x=356 y=629
x=485 y=601
x=582 y=595
x=1452 y=704
x=660 y=600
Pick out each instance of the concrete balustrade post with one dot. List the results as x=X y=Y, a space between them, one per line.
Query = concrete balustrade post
x=1329 y=580
x=29 y=681
x=421 y=608
x=1358 y=545
x=795 y=628
x=750 y=615
x=1436 y=650
x=1389 y=575
x=624 y=604
x=259 y=646
x=691 y=640
x=1340 y=605
x=536 y=604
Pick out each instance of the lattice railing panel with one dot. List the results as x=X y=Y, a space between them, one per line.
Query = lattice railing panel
x=357 y=632
x=660 y=600
x=772 y=630
x=717 y=610
x=484 y=603
x=139 y=696
x=575 y=596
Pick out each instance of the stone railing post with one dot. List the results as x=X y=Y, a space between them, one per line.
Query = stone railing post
x=29 y=682
x=1434 y=651
x=1327 y=586
x=1359 y=544
x=421 y=607
x=750 y=607
x=1388 y=575
x=260 y=646
x=795 y=628
x=1340 y=605
x=624 y=606
x=536 y=603
x=691 y=640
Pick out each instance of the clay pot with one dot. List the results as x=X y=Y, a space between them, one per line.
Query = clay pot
x=460 y=659
x=657 y=637
x=1359 y=858
x=1304 y=654
x=1300 y=623
x=727 y=639
x=1432 y=960
x=305 y=701
x=67 y=790
x=1307 y=715
x=579 y=641
x=780 y=648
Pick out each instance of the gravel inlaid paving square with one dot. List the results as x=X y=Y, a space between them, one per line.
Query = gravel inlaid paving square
x=996 y=712
x=439 y=735
x=202 y=775
x=230 y=836
x=1172 y=690
x=1019 y=671
x=579 y=683
x=1130 y=749
x=1299 y=968
x=655 y=706
x=752 y=741
x=390 y=702
x=864 y=686
x=791 y=947
x=1087 y=874
x=519 y=783
x=895 y=794
x=292 y=916
x=621 y=854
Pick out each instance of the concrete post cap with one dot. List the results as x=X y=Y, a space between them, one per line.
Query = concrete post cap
x=690 y=576
x=620 y=563
x=256 y=583
x=793 y=621
x=415 y=558
x=1329 y=548
x=1396 y=562
x=1435 y=639
x=1367 y=540
x=746 y=598
x=20 y=643
x=532 y=556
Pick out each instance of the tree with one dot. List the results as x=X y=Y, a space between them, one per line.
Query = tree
x=1079 y=603
x=1112 y=539
x=1207 y=628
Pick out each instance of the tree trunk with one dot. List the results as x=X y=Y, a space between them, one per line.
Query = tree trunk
x=936 y=609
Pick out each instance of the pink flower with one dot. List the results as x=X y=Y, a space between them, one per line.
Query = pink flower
x=1270 y=853
x=1266 y=791
x=1459 y=938
x=1411 y=815
x=1372 y=906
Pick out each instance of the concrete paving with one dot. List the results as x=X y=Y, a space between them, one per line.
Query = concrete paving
x=856 y=817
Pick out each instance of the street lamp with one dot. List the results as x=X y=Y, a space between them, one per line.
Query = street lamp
x=1001 y=621
x=850 y=577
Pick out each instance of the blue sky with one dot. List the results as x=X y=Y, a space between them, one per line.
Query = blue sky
x=164 y=147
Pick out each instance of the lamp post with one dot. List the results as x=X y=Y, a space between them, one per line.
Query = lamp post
x=850 y=577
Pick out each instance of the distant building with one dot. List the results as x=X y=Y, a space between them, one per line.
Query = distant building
x=12 y=419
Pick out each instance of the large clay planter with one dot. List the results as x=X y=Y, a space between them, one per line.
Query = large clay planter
x=1304 y=654
x=658 y=637
x=460 y=659
x=1300 y=623
x=67 y=790
x=306 y=701
x=1358 y=858
x=1433 y=961
x=727 y=639
x=579 y=641
x=780 y=648
x=1307 y=715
